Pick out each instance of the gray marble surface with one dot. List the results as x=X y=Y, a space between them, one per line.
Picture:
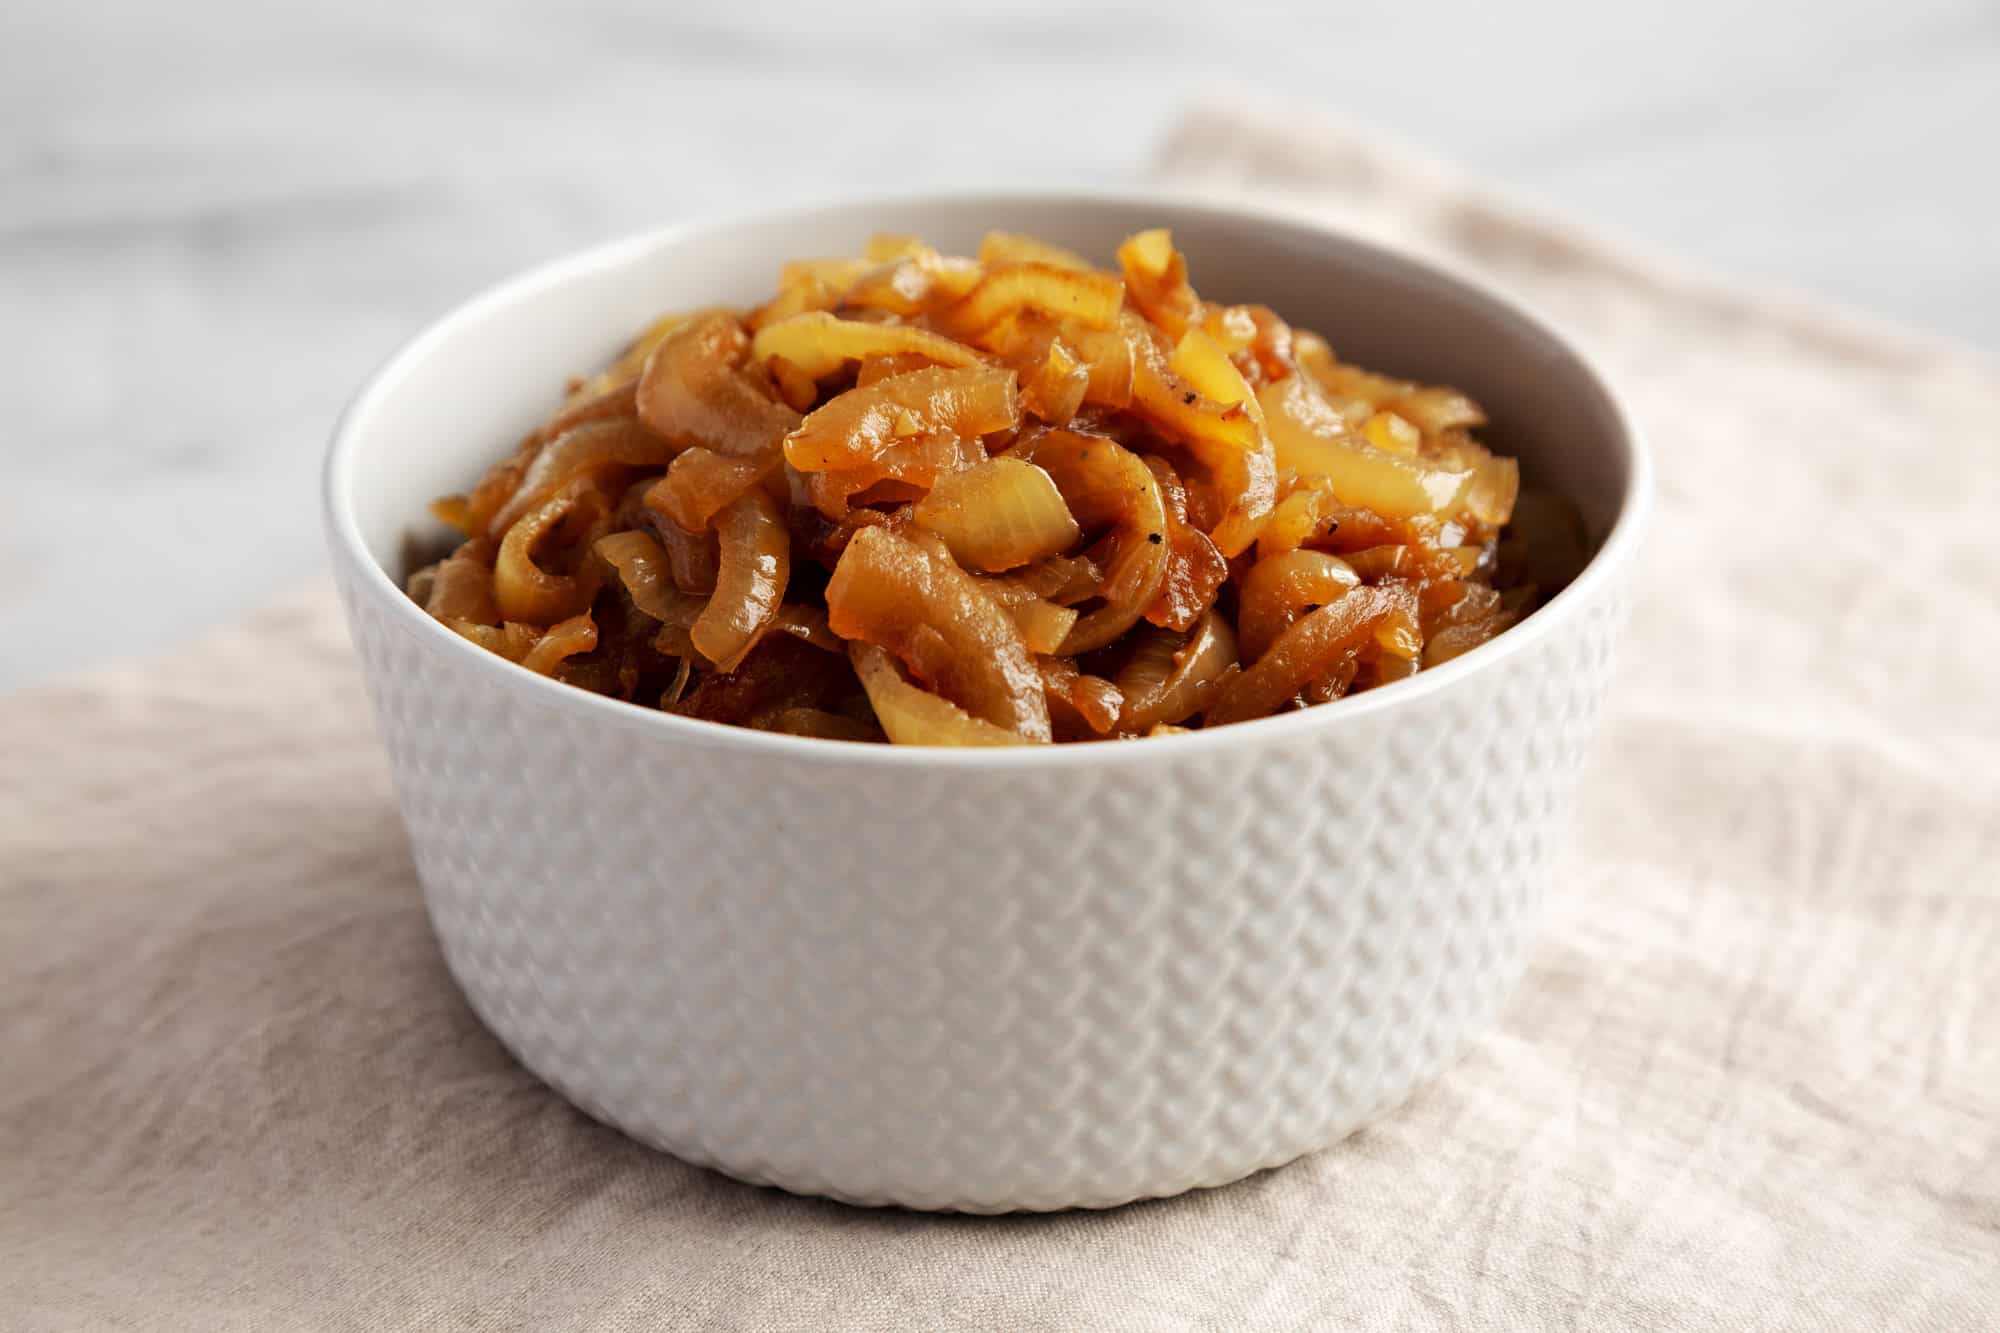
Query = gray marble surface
x=216 y=216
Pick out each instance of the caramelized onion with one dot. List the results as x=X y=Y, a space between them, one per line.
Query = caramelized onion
x=697 y=390
x=857 y=427
x=692 y=557
x=587 y=452
x=522 y=588
x=462 y=588
x=1103 y=481
x=1225 y=435
x=1001 y=514
x=998 y=248
x=756 y=563
x=1278 y=591
x=643 y=569
x=819 y=344
x=913 y=600
x=1195 y=568
x=702 y=483
x=1092 y=701
x=1173 y=676
x=1312 y=440
x=511 y=639
x=911 y=715
x=1318 y=643
x=1088 y=297
x=1156 y=278
x=918 y=464
x=563 y=640
x=1043 y=624
x=1028 y=499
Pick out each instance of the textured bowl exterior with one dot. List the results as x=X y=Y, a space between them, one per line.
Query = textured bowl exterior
x=994 y=980
x=990 y=988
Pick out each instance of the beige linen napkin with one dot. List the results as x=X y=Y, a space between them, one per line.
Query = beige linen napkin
x=1751 y=1081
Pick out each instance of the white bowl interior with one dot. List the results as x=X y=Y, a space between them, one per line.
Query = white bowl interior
x=465 y=392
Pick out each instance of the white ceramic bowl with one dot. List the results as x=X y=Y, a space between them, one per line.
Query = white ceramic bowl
x=993 y=979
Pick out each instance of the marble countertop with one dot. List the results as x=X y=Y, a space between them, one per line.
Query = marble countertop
x=215 y=217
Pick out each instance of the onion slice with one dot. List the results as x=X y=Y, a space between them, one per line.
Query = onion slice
x=696 y=389
x=913 y=716
x=701 y=483
x=999 y=515
x=908 y=596
x=1278 y=591
x=1103 y=481
x=644 y=569
x=756 y=563
x=859 y=426
x=819 y=344
x=588 y=451
x=1318 y=644
x=1311 y=439
x=1172 y=676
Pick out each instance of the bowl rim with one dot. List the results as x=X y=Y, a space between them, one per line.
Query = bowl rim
x=1620 y=542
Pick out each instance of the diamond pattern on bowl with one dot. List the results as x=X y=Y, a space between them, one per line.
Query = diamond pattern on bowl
x=1014 y=987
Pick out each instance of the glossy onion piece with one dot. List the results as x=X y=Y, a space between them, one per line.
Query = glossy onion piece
x=911 y=715
x=1156 y=277
x=1090 y=298
x=807 y=624
x=1312 y=440
x=1173 y=676
x=756 y=563
x=1496 y=485
x=905 y=277
x=855 y=428
x=1103 y=481
x=702 y=483
x=819 y=344
x=1043 y=624
x=696 y=390
x=1092 y=701
x=1299 y=518
x=1054 y=379
x=998 y=515
x=642 y=567
x=916 y=464
x=565 y=639
x=1063 y=579
x=589 y=451
x=1278 y=591
x=1316 y=645
x=692 y=557
x=1107 y=361
x=886 y=367
x=909 y=597
x=998 y=248
x=1226 y=436
x=1195 y=568
x=462 y=588
x=523 y=589
x=1054 y=387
